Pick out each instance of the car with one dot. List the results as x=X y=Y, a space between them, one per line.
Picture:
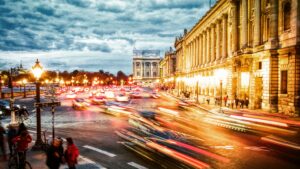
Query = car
x=122 y=98
x=135 y=95
x=80 y=104
x=98 y=100
x=70 y=95
x=109 y=94
x=5 y=107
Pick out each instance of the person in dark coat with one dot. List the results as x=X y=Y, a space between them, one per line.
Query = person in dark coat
x=54 y=155
x=236 y=100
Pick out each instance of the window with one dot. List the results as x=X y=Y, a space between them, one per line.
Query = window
x=154 y=74
x=137 y=64
x=147 y=64
x=287 y=16
x=284 y=80
x=154 y=64
x=147 y=74
x=138 y=73
x=259 y=65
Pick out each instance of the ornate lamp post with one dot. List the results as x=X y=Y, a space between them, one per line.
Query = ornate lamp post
x=37 y=71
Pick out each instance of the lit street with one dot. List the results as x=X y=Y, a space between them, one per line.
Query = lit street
x=95 y=134
x=152 y=84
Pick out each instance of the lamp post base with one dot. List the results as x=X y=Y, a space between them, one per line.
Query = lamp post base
x=39 y=145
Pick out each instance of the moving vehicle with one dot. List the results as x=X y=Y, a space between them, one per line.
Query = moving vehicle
x=122 y=98
x=79 y=104
x=98 y=100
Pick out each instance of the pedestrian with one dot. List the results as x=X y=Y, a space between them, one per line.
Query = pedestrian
x=2 y=141
x=225 y=100
x=246 y=102
x=22 y=128
x=236 y=101
x=242 y=103
x=54 y=154
x=11 y=133
x=22 y=142
x=71 y=153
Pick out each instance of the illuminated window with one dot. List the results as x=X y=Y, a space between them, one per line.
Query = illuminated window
x=287 y=16
x=284 y=80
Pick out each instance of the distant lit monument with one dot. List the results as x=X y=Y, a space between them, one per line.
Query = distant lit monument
x=146 y=66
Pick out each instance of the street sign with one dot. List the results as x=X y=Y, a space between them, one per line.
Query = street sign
x=47 y=104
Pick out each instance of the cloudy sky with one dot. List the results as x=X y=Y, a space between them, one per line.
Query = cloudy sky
x=90 y=34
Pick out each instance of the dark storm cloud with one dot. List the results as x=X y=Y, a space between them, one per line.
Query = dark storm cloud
x=45 y=10
x=110 y=27
x=78 y=3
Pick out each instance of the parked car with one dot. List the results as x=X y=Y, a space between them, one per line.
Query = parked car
x=5 y=107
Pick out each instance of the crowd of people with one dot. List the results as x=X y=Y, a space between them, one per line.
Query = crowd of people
x=18 y=140
x=57 y=156
x=236 y=102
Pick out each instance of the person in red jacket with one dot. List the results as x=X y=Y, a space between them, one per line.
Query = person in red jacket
x=71 y=153
x=22 y=142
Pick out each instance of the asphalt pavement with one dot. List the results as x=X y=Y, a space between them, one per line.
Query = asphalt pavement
x=94 y=133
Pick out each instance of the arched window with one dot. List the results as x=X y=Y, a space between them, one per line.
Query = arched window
x=287 y=16
x=154 y=64
x=137 y=64
x=147 y=64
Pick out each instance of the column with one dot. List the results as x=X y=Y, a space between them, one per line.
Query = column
x=200 y=51
x=274 y=24
x=257 y=34
x=204 y=47
x=234 y=26
x=213 y=47
x=208 y=46
x=224 y=36
x=151 y=73
x=244 y=32
x=218 y=40
x=197 y=51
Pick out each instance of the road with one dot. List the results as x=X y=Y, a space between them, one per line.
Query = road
x=94 y=134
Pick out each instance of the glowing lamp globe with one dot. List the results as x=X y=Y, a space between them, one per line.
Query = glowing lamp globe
x=37 y=70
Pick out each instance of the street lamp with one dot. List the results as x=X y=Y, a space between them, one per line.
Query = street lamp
x=221 y=74
x=37 y=71
x=24 y=81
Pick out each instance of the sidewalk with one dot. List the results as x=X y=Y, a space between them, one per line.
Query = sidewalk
x=215 y=109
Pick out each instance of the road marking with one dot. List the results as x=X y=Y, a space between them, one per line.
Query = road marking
x=100 y=151
x=87 y=160
x=135 y=165
x=31 y=131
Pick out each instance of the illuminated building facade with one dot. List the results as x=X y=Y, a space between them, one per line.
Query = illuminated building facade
x=251 y=47
x=167 y=69
x=146 y=66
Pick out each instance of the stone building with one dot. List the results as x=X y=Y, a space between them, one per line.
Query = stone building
x=146 y=66
x=167 y=69
x=247 y=48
